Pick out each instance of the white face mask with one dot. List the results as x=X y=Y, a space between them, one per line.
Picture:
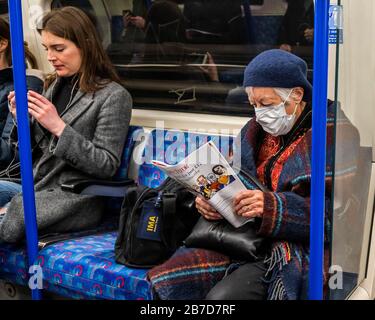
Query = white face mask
x=275 y=120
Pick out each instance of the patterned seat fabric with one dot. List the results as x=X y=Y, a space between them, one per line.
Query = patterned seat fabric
x=172 y=146
x=13 y=261
x=13 y=257
x=85 y=268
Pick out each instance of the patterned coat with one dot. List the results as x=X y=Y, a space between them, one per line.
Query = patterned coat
x=284 y=165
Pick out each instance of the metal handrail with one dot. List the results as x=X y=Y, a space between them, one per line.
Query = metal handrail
x=318 y=163
x=19 y=76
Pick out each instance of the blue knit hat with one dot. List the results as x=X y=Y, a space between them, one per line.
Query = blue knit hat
x=278 y=69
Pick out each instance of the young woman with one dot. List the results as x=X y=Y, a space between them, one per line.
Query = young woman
x=79 y=126
x=34 y=82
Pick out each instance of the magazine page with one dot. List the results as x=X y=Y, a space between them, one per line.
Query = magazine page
x=206 y=173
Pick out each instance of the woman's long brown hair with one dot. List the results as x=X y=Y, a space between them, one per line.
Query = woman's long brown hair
x=5 y=35
x=73 y=24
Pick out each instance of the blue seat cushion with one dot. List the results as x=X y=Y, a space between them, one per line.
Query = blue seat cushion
x=13 y=261
x=171 y=147
x=82 y=268
x=13 y=257
x=85 y=268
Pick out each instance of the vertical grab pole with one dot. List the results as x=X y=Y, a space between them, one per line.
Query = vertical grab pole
x=318 y=165
x=18 y=57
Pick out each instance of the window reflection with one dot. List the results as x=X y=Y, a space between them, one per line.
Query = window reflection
x=3 y=6
x=200 y=48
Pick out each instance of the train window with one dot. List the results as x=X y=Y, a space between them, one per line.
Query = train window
x=3 y=6
x=189 y=55
x=82 y=4
x=354 y=173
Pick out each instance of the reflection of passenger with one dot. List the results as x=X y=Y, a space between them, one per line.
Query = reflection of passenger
x=165 y=23
x=134 y=22
x=297 y=28
x=215 y=21
x=130 y=19
x=165 y=38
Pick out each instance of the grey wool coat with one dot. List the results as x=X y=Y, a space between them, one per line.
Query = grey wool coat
x=90 y=147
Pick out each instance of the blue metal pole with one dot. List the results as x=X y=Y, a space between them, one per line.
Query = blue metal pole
x=318 y=165
x=18 y=57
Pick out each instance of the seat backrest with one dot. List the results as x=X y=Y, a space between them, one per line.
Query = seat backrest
x=171 y=147
x=133 y=133
x=114 y=204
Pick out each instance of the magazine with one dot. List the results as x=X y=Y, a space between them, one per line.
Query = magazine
x=206 y=173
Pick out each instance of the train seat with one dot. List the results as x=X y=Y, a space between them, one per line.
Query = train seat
x=85 y=267
x=13 y=257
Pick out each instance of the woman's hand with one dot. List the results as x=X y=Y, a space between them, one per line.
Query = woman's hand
x=45 y=113
x=12 y=104
x=210 y=68
x=249 y=204
x=138 y=21
x=206 y=210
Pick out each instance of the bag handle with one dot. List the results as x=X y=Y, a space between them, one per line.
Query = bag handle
x=169 y=218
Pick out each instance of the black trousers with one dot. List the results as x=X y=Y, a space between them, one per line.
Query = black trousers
x=245 y=283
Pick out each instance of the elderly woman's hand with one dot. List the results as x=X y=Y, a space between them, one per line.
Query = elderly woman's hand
x=249 y=204
x=206 y=210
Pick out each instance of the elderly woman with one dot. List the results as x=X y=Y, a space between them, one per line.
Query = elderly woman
x=276 y=147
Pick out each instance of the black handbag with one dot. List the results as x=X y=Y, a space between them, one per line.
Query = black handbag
x=153 y=223
x=241 y=243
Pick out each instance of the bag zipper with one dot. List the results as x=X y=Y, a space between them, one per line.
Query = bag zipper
x=130 y=233
x=141 y=198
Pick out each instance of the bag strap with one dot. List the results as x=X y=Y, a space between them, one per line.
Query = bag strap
x=169 y=219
